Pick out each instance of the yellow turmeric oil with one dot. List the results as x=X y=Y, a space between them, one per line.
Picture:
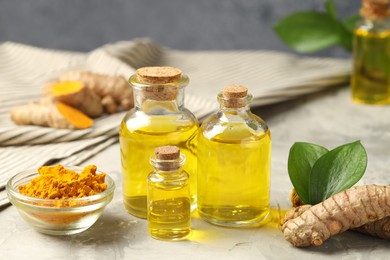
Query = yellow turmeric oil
x=158 y=118
x=370 y=80
x=168 y=196
x=234 y=168
x=138 y=138
x=371 y=72
x=166 y=222
x=234 y=151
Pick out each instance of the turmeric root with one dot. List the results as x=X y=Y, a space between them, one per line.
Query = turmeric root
x=73 y=93
x=104 y=85
x=109 y=105
x=57 y=115
x=351 y=208
x=379 y=228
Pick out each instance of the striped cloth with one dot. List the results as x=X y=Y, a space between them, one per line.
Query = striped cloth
x=271 y=77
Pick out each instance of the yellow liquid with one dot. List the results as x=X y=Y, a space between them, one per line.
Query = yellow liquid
x=139 y=136
x=370 y=81
x=234 y=177
x=169 y=212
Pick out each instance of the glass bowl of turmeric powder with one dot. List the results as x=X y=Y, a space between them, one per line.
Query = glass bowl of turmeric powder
x=61 y=201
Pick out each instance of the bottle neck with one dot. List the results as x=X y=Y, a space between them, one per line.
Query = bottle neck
x=167 y=166
x=373 y=26
x=235 y=107
x=159 y=98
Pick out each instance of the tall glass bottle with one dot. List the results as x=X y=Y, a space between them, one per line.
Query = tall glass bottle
x=159 y=118
x=169 y=205
x=370 y=81
x=234 y=151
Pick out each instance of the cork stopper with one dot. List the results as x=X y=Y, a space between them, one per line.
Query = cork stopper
x=167 y=158
x=233 y=96
x=156 y=76
x=168 y=152
x=375 y=9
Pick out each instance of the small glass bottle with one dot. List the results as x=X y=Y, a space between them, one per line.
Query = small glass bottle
x=168 y=196
x=370 y=81
x=159 y=118
x=234 y=152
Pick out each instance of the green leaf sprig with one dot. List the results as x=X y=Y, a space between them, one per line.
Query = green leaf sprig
x=312 y=31
x=317 y=173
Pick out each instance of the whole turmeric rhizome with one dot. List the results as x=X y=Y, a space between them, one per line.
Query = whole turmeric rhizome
x=364 y=207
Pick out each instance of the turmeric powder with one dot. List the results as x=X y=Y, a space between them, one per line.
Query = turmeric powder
x=352 y=208
x=295 y=199
x=57 y=182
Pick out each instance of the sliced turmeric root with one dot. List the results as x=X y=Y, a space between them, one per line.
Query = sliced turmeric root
x=75 y=94
x=74 y=116
x=57 y=115
x=104 y=85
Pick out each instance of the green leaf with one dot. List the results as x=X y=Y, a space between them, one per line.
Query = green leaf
x=301 y=159
x=346 y=39
x=346 y=36
x=309 y=31
x=331 y=9
x=350 y=22
x=336 y=171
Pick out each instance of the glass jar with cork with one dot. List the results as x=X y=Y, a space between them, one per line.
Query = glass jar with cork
x=168 y=196
x=159 y=118
x=234 y=151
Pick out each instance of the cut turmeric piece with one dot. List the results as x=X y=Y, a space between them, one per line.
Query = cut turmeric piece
x=104 y=85
x=74 y=116
x=51 y=114
x=61 y=88
x=73 y=93
x=74 y=98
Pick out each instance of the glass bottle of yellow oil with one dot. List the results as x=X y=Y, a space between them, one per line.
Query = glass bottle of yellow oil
x=370 y=81
x=168 y=196
x=234 y=151
x=159 y=118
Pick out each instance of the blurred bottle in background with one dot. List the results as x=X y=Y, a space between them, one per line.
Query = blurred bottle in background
x=370 y=80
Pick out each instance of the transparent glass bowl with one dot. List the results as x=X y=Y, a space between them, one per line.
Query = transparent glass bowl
x=58 y=216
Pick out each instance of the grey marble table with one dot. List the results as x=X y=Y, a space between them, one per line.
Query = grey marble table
x=329 y=119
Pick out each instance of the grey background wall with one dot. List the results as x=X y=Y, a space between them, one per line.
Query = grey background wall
x=82 y=25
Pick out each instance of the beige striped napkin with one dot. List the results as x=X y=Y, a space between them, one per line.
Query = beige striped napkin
x=271 y=77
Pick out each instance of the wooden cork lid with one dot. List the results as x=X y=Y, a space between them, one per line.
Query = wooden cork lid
x=168 y=157
x=158 y=75
x=168 y=152
x=233 y=96
x=234 y=91
x=375 y=9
